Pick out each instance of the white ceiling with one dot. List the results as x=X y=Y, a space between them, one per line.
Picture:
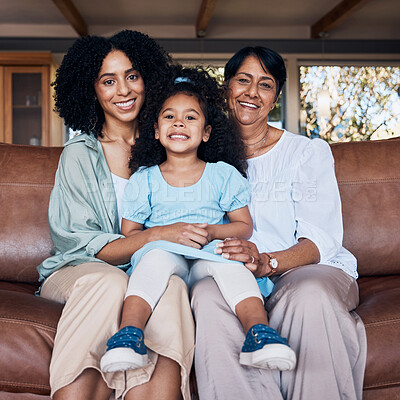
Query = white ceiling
x=176 y=19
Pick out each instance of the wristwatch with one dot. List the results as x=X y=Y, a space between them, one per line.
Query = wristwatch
x=273 y=263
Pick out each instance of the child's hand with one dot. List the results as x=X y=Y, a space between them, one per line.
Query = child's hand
x=193 y=235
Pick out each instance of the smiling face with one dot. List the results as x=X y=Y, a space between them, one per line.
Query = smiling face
x=181 y=125
x=252 y=93
x=119 y=88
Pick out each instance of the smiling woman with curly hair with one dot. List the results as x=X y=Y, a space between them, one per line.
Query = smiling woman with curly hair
x=75 y=95
x=102 y=88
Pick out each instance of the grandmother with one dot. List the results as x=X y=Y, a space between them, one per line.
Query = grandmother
x=297 y=242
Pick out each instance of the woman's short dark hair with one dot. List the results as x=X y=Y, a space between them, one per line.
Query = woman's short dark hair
x=269 y=60
x=75 y=97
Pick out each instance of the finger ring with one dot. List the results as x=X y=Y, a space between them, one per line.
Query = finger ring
x=252 y=259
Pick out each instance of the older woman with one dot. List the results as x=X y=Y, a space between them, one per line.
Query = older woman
x=297 y=241
x=101 y=89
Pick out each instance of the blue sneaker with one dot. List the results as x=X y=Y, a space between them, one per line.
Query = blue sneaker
x=265 y=348
x=125 y=350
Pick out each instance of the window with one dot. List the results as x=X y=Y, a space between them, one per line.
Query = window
x=349 y=103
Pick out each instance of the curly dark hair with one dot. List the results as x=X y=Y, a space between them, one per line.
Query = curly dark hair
x=75 y=98
x=224 y=144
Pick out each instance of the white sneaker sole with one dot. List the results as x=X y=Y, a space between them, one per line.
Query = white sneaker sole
x=122 y=359
x=271 y=356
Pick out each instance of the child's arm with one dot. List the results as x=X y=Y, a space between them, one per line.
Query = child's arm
x=130 y=228
x=240 y=226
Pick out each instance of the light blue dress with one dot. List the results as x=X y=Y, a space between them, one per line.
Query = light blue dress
x=149 y=200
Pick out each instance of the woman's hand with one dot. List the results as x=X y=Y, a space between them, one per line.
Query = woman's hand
x=193 y=235
x=246 y=252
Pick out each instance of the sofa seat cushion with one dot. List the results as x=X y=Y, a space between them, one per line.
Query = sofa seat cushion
x=28 y=326
x=22 y=396
x=380 y=311
x=28 y=288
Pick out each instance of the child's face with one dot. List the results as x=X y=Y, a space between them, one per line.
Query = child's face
x=181 y=125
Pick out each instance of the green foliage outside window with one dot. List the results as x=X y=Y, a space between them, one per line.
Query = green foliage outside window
x=362 y=103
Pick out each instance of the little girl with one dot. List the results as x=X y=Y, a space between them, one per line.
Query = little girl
x=184 y=172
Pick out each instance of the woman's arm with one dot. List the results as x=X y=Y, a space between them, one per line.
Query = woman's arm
x=240 y=225
x=120 y=251
x=303 y=253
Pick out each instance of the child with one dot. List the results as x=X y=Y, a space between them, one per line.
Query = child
x=182 y=175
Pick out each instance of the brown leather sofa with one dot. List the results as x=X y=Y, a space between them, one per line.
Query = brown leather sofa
x=369 y=179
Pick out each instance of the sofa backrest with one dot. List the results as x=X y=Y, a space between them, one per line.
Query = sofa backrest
x=26 y=179
x=368 y=174
x=369 y=181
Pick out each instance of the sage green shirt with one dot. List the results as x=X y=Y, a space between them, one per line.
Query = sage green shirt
x=83 y=214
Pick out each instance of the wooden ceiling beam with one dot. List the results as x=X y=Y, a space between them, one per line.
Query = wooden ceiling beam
x=336 y=16
x=72 y=15
x=204 y=16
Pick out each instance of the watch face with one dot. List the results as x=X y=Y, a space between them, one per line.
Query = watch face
x=274 y=263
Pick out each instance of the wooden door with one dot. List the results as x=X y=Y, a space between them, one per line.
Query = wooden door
x=2 y=124
x=26 y=105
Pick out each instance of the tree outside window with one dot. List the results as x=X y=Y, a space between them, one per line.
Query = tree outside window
x=350 y=103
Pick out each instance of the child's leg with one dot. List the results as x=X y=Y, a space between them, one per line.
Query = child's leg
x=251 y=312
x=237 y=285
x=126 y=349
x=148 y=283
x=263 y=347
x=136 y=312
x=150 y=277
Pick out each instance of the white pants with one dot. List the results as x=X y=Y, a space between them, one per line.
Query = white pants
x=150 y=277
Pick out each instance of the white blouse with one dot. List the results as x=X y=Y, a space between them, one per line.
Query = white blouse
x=294 y=194
x=119 y=187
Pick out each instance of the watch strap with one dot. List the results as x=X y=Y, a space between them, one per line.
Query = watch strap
x=272 y=263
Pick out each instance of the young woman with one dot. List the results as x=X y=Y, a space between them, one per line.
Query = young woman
x=101 y=88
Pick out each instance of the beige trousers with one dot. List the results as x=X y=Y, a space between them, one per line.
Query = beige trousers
x=312 y=306
x=93 y=294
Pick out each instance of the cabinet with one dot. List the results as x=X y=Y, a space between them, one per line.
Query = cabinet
x=25 y=103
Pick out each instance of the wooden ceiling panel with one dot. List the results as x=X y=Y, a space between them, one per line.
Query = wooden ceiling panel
x=204 y=16
x=72 y=15
x=183 y=19
x=334 y=17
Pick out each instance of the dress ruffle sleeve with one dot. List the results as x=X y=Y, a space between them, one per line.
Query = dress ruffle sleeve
x=235 y=189
x=136 y=199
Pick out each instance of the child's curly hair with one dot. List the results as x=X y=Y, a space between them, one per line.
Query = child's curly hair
x=75 y=98
x=224 y=144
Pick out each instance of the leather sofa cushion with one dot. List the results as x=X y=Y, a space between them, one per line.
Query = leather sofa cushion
x=389 y=393
x=22 y=396
x=28 y=326
x=26 y=180
x=368 y=175
x=380 y=311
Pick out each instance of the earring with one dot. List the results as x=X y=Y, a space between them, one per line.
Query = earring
x=93 y=123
